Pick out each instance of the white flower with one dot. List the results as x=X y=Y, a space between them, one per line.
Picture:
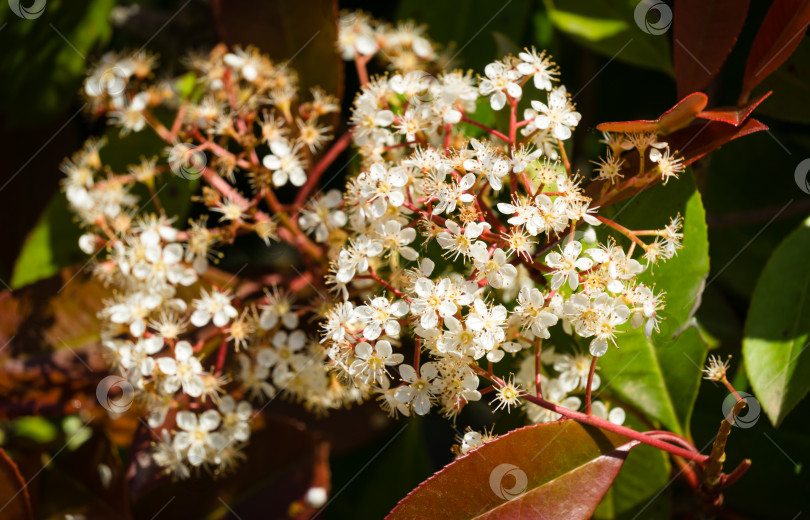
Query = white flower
x=198 y=436
x=167 y=456
x=285 y=355
x=567 y=264
x=384 y=187
x=381 y=315
x=460 y=242
x=558 y=116
x=459 y=339
x=495 y=268
x=355 y=259
x=432 y=299
x=553 y=392
x=370 y=362
x=574 y=371
x=538 y=66
x=418 y=390
x=163 y=264
x=488 y=162
x=395 y=238
x=285 y=163
x=489 y=322
x=321 y=215
x=500 y=80
x=534 y=315
x=337 y=319
x=244 y=62
x=356 y=36
x=279 y=306
x=134 y=311
x=216 y=305
x=235 y=419
x=183 y=370
x=616 y=414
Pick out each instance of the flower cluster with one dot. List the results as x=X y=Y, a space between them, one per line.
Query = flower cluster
x=192 y=346
x=454 y=248
x=504 y=215
x=404 y=46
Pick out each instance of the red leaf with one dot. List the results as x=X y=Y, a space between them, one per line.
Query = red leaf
x=733 y=115
x=557 y=470
x=704 y=34
x=778 y=36
x=683 y=113
x=15 y=502
x=698 y=140
x=673 y=119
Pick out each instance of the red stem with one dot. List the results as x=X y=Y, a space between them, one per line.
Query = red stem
x=537 y=377
x=592 y=370
x=327 y=159
x=603 y=423
x=627 y=432
x=485 y=127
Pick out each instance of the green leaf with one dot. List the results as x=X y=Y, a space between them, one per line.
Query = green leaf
x=636 y=492
x=659 y=380
x=660 y=375
x=531 y=472
x=52 y=245
x=48 y=56
x=743 y=231
x=778 y=326
x=608 y=27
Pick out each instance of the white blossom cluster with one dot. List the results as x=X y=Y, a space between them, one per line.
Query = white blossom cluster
x=198 y=355
x=405 y=45
x=454 y=248
x=503 y=214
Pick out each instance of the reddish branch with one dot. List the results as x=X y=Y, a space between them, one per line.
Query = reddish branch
x=604 y=423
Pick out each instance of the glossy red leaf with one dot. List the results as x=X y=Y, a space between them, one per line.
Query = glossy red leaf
x=15 y=502
x=557 y=470
x=778 y=36
x=705 y=32
x=698 y=140
x=673 y=119
x=734 y=115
